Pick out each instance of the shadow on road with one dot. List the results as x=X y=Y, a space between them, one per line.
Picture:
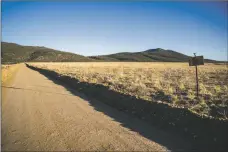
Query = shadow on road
x=200 y=133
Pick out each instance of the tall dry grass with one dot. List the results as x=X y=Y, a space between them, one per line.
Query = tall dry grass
x=170 y=83
x=7 y=71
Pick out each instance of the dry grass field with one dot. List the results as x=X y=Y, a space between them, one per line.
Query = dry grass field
x=170 y=83
x=7 y=72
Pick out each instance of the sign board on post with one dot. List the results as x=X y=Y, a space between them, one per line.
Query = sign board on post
x=197 y=60
x=194 y=61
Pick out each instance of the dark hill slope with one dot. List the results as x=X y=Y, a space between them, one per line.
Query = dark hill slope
x=151 y=55
x=14 y=53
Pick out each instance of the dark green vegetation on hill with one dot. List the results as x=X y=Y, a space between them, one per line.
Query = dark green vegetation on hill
x=14 y=53
x=151 y=55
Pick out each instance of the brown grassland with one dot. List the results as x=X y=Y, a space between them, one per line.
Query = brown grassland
x=7 y=72
x=170 y=83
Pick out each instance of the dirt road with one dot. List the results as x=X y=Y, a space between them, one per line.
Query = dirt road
x=38 y=114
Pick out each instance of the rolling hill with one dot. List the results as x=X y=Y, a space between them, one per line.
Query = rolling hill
x=14 y=53
x=151 y=55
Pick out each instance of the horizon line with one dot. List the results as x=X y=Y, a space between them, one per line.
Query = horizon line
x=102 y=54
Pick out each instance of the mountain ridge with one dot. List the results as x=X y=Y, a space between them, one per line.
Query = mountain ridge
x=15 y=53
x=150 y=55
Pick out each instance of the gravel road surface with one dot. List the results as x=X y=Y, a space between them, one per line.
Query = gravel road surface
x=39 y=115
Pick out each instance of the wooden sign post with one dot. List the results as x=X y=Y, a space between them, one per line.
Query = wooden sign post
x=195 y=61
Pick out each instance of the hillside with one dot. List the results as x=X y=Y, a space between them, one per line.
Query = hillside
x=14 y=53
x=151 y=55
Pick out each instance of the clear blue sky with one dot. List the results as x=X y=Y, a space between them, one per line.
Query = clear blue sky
x=96 y=28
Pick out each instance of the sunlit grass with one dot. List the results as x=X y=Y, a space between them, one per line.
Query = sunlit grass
x=170 y=83
x=7 y=72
